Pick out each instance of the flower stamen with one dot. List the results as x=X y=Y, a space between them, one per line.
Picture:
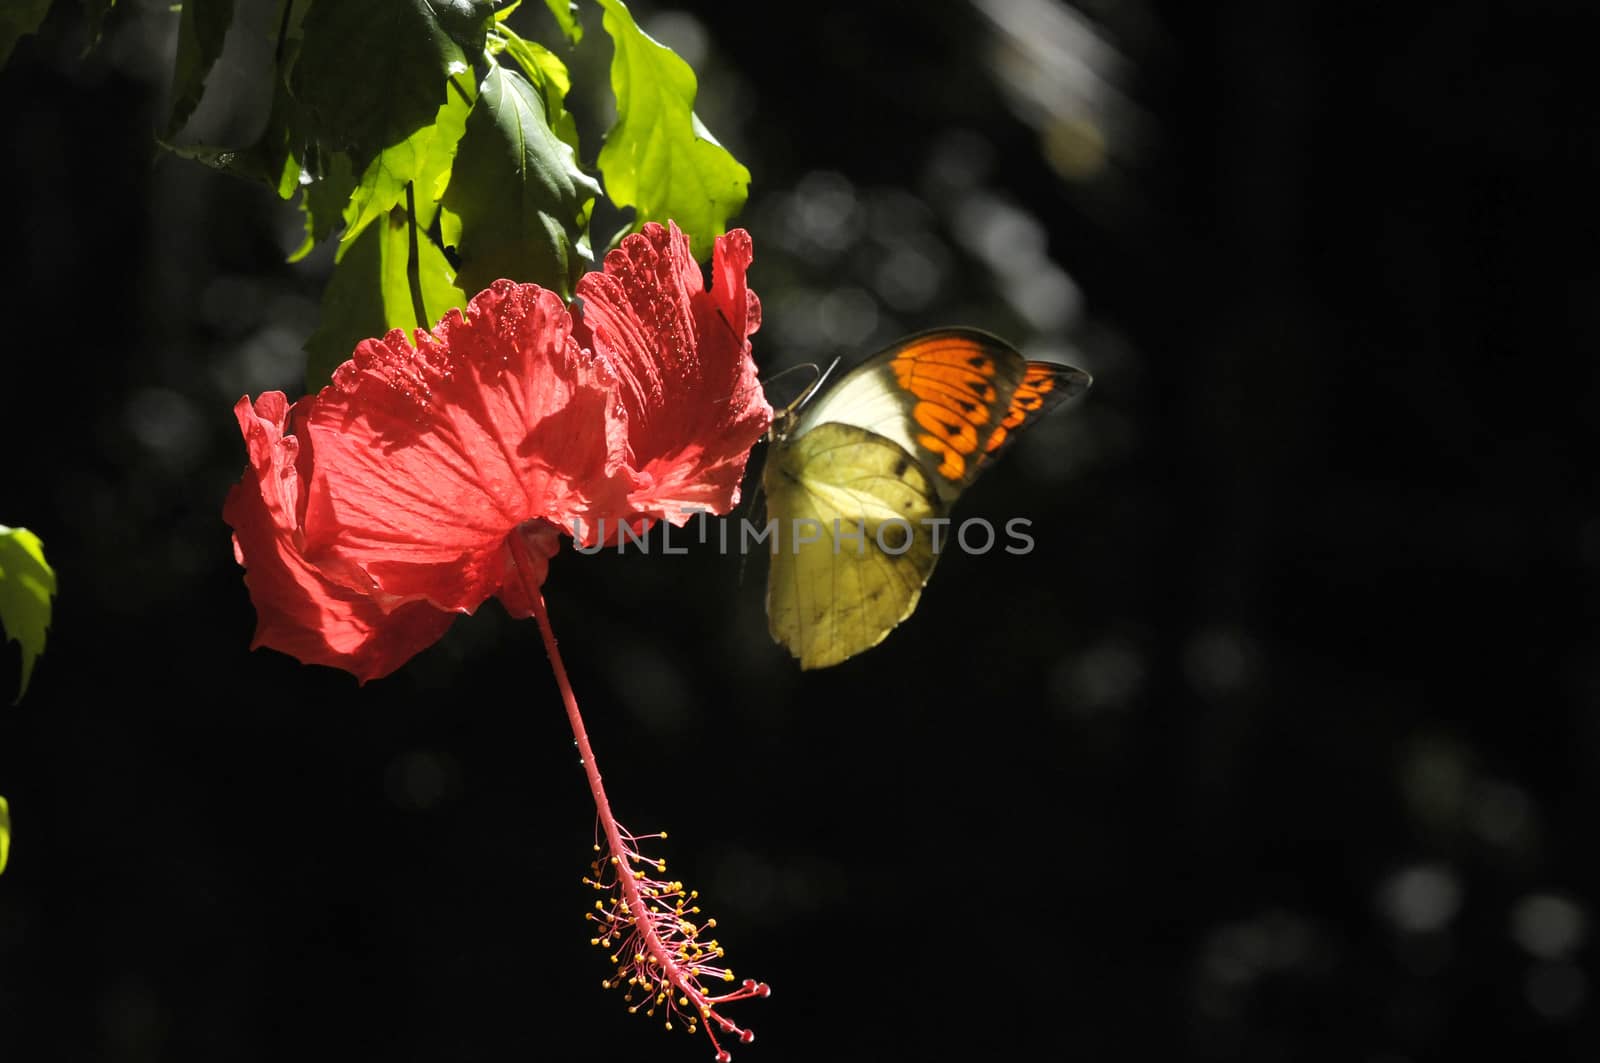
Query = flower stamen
x=661 y=952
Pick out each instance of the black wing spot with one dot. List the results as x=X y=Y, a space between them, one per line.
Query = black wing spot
x=900 y=467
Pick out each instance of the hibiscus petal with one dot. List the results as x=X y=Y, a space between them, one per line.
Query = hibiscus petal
x=427 y=457
x=299 y=609
x=694 y=404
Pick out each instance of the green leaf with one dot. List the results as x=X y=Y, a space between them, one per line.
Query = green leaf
x=372 y=72
x=275 y=157
x=249 y=163
x=423 y=157
x=27 y=583
x=277 y=154
x=370 y=293
x=549 y=75
x=566 y=13
x=433 y=177
x=273 y=160
x=202 y=27
x=522 y=201
x=5 y=833
x=18 y=18
x=323 y=200
x=658 y=158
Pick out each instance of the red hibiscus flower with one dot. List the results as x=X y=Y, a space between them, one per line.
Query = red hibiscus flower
x=427 y=478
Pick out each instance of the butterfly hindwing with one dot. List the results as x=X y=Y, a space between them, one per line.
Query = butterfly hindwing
x=831 y=598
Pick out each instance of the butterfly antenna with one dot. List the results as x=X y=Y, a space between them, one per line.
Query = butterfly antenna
x=780 y=374
x=805 y=396
x=816 y=385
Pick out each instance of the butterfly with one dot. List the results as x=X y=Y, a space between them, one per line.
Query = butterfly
x=859 y=478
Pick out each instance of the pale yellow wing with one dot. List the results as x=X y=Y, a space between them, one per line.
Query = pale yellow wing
x=867 y=502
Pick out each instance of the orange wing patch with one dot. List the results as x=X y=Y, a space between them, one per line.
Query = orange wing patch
x=1029 y=398
x=953 y=380
x=1044 y=385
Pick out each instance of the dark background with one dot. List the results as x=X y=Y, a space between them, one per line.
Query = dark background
x=1281 y=745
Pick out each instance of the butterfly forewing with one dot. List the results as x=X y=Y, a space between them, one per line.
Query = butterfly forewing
x=940 y=395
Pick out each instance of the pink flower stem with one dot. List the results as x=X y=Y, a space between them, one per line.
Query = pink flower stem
x=619 y=851
x=581 y=736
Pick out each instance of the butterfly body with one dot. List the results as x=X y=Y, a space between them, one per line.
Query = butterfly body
x=860 y=481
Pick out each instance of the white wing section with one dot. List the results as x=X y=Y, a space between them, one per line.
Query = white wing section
x=867 y=397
